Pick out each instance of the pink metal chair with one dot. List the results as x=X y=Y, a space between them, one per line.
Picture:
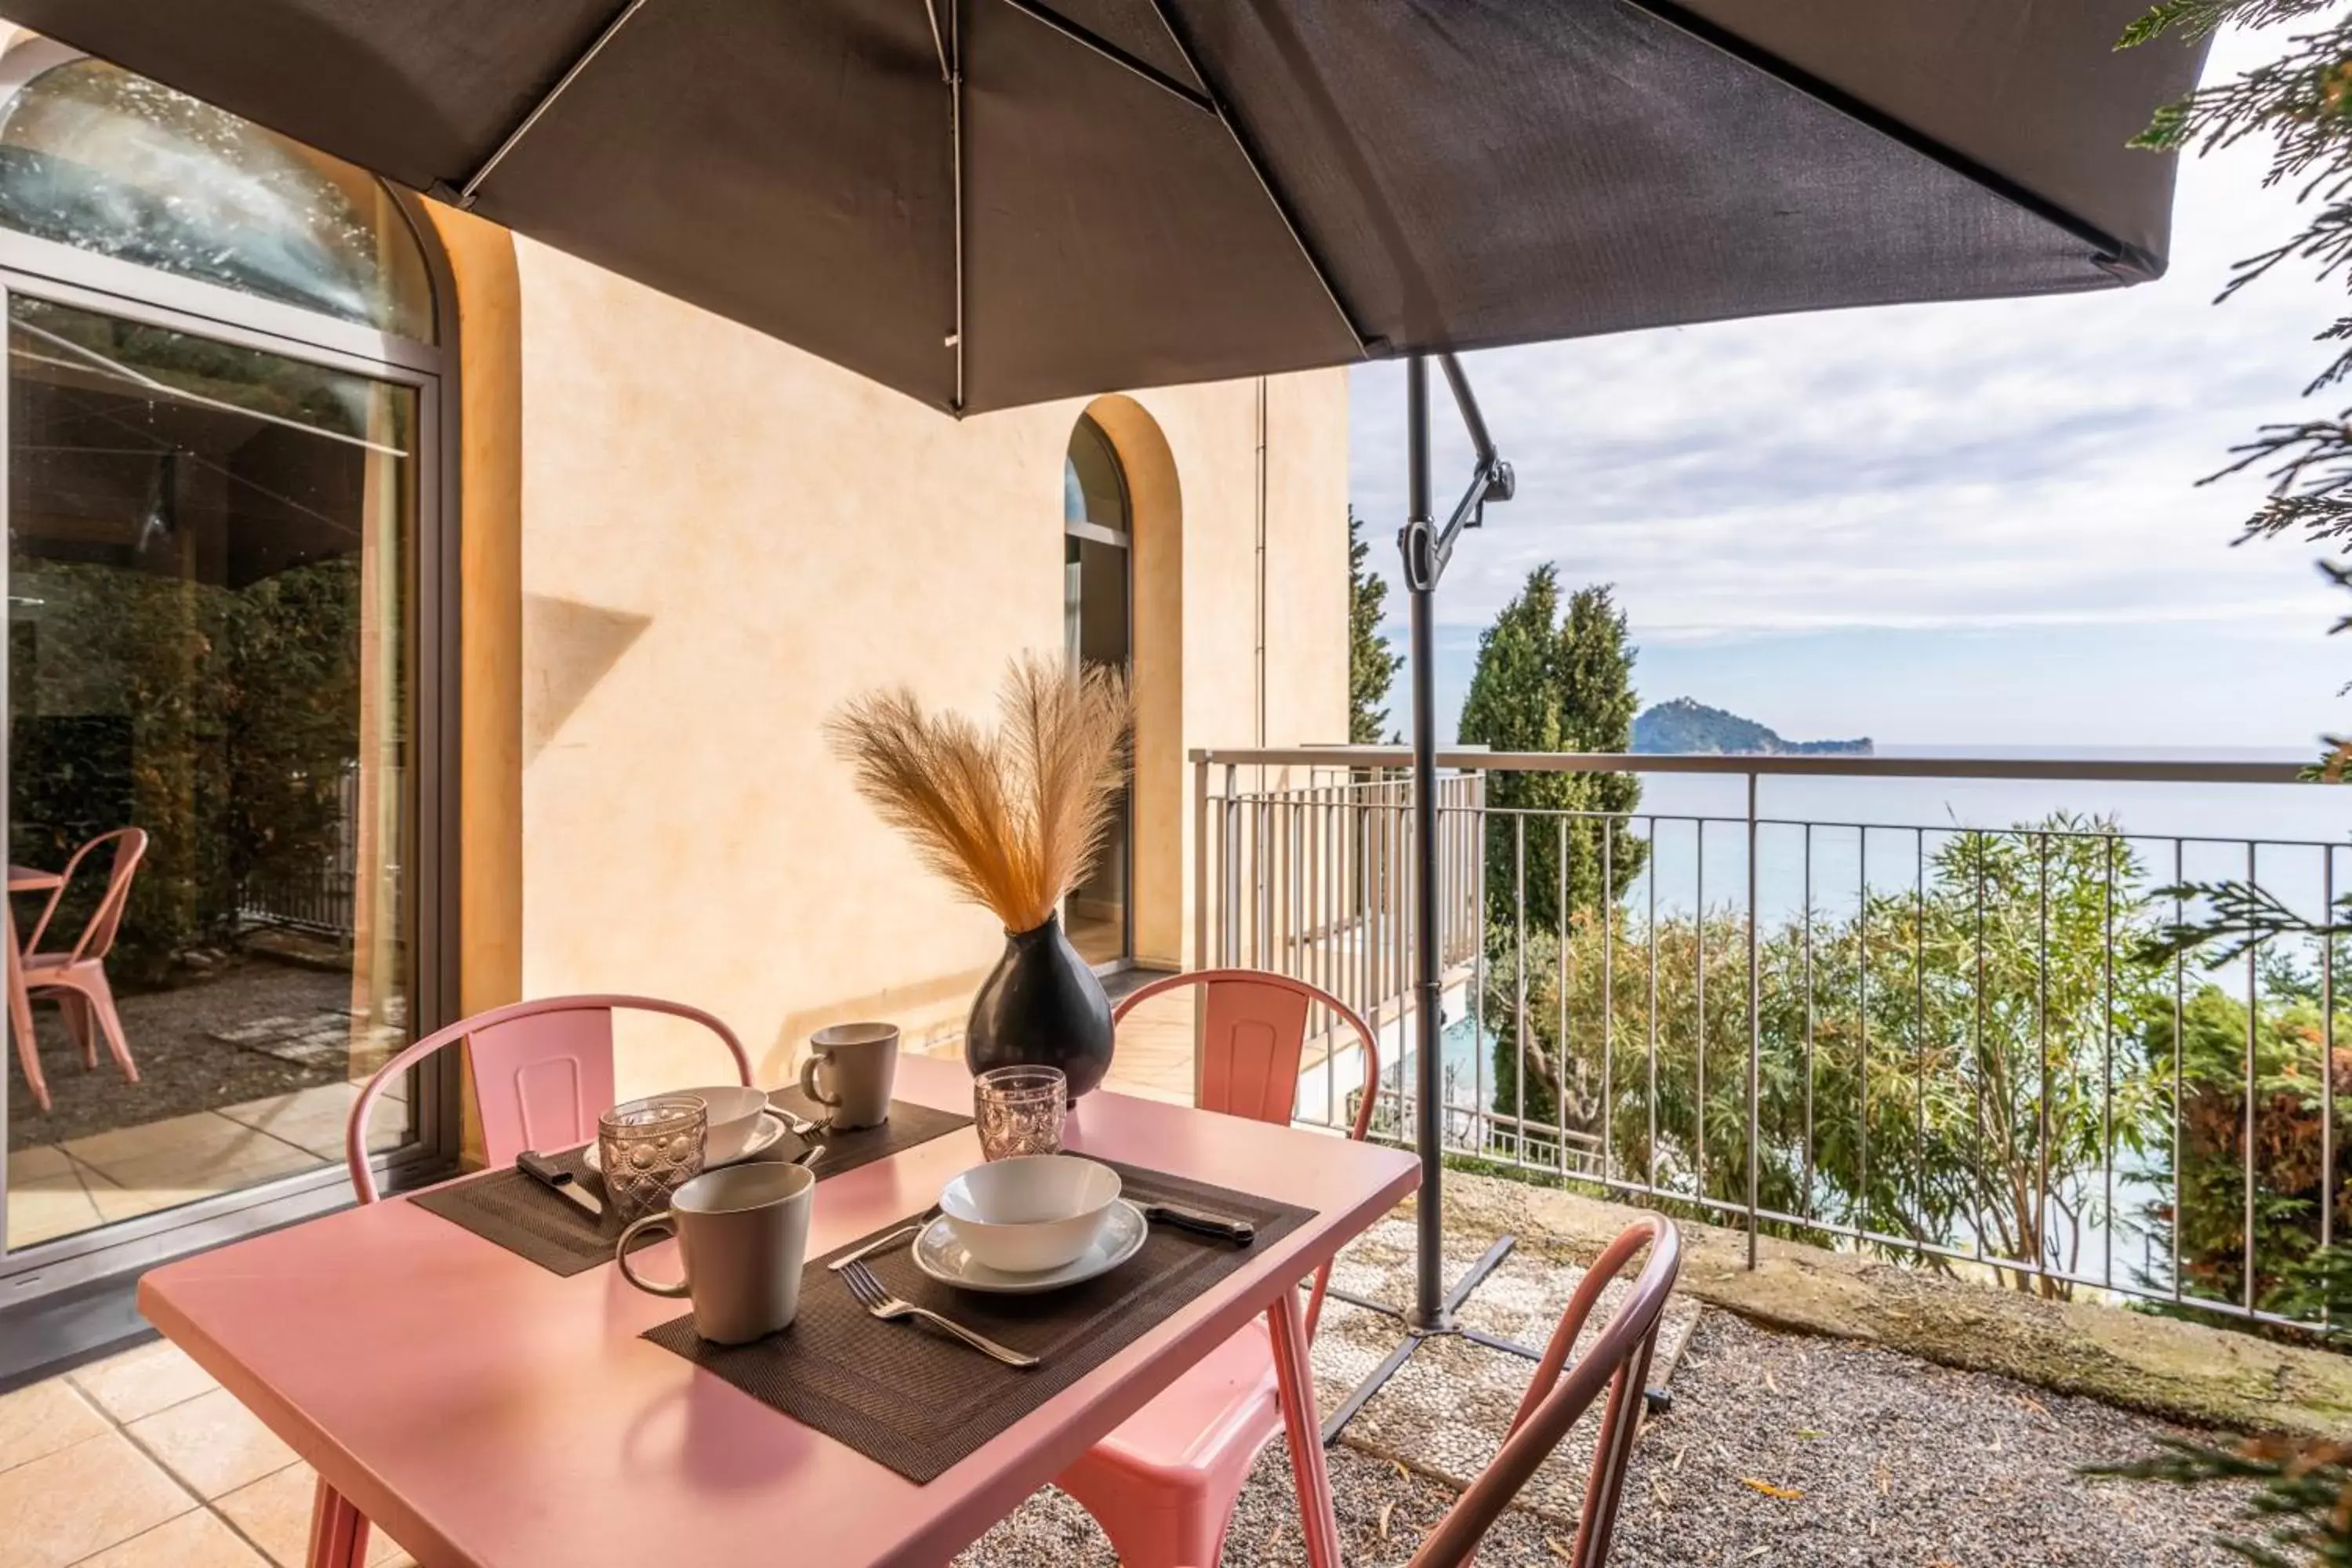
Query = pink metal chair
x=1163 y=1484
x=77 y=976
x=1559 y=1395
x=541 y=1071
x=543 y=1074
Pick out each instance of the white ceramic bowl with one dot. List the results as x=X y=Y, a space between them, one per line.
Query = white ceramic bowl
x=1037 y=1212
x=734 y=1118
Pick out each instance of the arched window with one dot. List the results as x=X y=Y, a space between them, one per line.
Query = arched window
x=221 y=562
x=1097 y=630
x=1093 y=486
x=98 y=158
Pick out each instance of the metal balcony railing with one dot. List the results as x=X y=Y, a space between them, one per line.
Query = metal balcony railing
x=1959 y=1041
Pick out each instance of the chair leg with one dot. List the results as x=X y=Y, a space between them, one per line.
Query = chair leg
x=1294 y=1377
x=339 y=1532
x=99 y=1000
x=76 y=1015
x=20 y=1023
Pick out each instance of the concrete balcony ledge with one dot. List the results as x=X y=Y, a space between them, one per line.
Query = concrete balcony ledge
x=2165 y=1367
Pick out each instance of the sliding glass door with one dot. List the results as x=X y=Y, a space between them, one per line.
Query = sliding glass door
x=226 y=594
x=210 y=564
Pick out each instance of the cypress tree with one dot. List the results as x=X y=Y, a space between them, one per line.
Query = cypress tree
x=1550 y=682
x=1371 y=666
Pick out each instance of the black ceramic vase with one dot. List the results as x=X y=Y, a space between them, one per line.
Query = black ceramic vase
x=1041 y=1006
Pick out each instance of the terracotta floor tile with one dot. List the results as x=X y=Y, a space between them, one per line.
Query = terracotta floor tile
x=194 y=1540
x=173 y=1178
x=31 y=1164
x=46 y=1209
x=275 y=1514
x=251 y=1156
x=97 y=1494
x=41 y=1420
x=139 y=1382
x=212 y=1443
x=315 y=1118
x=199 y=1129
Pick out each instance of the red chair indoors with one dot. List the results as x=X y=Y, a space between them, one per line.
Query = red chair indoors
x=1163 y=1484
x=76 y=976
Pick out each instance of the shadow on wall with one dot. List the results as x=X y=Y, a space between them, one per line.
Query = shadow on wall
x=570 y=648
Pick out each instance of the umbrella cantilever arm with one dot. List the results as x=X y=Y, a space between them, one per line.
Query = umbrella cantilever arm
x=1427 y=548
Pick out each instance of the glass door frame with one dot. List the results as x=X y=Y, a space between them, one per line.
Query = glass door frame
x=60 y=274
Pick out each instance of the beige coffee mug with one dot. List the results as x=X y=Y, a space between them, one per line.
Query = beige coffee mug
x=742 y=1233
x=850 y=1070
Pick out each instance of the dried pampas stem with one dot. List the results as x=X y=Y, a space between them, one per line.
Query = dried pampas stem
x=1012 y=819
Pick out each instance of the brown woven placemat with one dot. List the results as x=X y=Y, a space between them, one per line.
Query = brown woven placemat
x=515 y=1212
x=910 y=1125
x=913 y=1399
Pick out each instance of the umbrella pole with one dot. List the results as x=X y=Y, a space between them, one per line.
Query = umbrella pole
x=1430 y=1313
x=1426 y=548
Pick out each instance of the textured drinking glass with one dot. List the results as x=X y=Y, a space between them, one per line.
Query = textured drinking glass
x=1020 y=1110
x=649 y=1149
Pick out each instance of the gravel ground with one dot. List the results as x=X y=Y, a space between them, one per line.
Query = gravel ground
x=181 y=1067
x=1897 y=1462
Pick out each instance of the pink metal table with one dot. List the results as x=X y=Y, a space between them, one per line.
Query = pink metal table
x=490 y=1414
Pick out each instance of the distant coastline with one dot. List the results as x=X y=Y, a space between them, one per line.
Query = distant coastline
x=1688 y=727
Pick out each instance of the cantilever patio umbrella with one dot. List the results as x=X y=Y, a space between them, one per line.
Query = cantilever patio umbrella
x=990 y=202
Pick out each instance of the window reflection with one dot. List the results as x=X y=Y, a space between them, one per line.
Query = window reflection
x=1094 y=630
x=209 y=564
x=96 y=157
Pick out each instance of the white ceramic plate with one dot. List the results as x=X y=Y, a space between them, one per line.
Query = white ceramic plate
x=763 y=1138
x=939 y=1253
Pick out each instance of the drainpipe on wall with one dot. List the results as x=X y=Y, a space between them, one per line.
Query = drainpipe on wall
x=1260 y=657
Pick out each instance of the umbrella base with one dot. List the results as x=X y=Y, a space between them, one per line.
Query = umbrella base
x=1654 y=1400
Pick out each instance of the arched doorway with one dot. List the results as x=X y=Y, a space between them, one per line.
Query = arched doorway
x=1097 y=628
x=226 y=597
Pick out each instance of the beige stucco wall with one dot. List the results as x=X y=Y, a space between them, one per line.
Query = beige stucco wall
x=722 y=537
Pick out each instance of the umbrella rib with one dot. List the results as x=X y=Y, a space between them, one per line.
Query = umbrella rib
x=2112 y=253
x=1257 y=166
x=950 y=52
x=468 y=193
x=1114 y=54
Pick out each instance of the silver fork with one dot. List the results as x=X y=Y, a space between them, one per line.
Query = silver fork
x=876 y=1298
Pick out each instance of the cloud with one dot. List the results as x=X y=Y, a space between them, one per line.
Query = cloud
x=2015 y=464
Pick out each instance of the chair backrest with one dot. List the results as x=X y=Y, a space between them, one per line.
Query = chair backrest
x=1253 y=1040
x=98 y=932
x=1619 y=1361
x=542 y=1073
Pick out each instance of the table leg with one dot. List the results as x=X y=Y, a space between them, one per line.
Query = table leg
x=1295 y=1380
x=339 y=1532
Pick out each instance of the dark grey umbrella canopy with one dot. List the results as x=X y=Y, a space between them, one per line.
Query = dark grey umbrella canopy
x=1135 y=192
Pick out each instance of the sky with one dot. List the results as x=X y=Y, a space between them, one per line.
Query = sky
x=1972 y=525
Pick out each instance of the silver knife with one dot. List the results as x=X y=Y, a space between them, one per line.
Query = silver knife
x=887 y=1239
x=559 y=1180
x=1240 y=1232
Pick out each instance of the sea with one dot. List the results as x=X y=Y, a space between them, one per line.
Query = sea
x=1880 y=828
x=1822 y=840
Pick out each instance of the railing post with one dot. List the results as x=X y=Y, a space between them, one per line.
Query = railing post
x=1228 y=906
x=1755 y=1024
x=1199 y=907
